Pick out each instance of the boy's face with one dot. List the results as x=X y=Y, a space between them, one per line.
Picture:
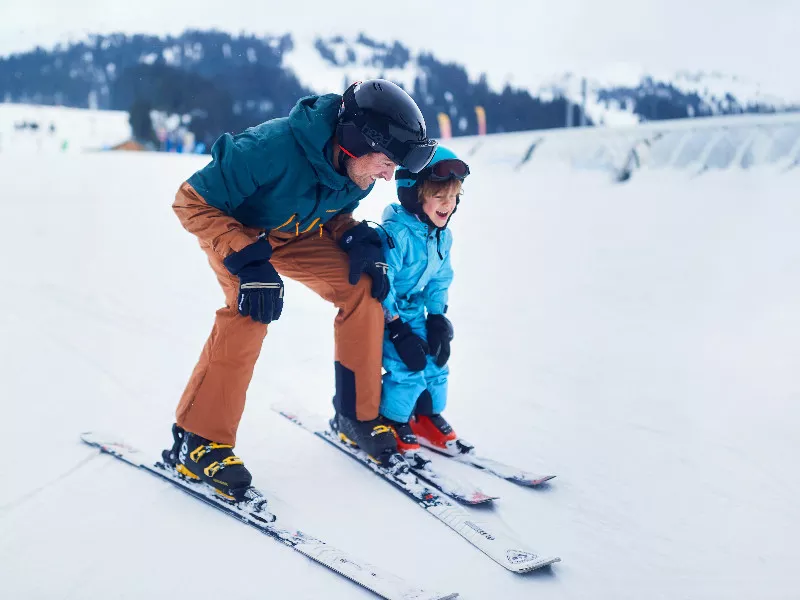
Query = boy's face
x=440 y=205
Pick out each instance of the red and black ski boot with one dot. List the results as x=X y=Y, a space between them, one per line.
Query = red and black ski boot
x=435 y=432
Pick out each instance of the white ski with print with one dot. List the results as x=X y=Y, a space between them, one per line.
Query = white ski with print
x=501 y=548
x=256 y=514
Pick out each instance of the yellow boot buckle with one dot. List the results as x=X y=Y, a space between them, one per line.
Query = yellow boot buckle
x=212 y=469
x=201 y=451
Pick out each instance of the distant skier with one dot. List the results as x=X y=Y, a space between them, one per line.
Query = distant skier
x=278 y=200
x=416 y=346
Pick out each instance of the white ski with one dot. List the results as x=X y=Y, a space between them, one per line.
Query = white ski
x=464 y=452
x=504 y=550
x=464 y=492
x=255 y=514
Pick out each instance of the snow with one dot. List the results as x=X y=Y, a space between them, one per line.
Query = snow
x=321 y=76
x=80 y=129
x=638 y=340
x=318 y=74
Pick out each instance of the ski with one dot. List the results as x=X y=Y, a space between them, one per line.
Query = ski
x=462 y=492
x=464 y=452
x=504 y=550
x=420 y=464
x=254 y=512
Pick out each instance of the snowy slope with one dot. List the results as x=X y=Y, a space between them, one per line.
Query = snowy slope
x=324 y=77
x=356 y=60
x=640 y=341
x=328 y=63
x=59 y=128
x=712 y=88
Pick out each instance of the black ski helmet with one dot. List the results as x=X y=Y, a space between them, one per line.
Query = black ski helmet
x=379 y=116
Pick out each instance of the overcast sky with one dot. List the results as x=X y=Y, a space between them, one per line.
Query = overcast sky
x=756 y=40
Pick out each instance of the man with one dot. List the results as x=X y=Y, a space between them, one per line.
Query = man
x=277 y=200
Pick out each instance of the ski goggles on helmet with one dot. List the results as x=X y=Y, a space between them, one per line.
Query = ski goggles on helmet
x=411 y=155
x=450 y=168
x=444 y=170
x=414 y=156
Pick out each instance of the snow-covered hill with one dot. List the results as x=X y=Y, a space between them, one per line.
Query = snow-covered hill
x=640 y=341
x=264 y=74
x=330 y=62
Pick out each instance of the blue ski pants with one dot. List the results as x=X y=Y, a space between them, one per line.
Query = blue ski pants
x=401 y=387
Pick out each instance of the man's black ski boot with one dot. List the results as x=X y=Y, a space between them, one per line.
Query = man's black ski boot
x=199 y=459
x=406 y=438
x=373 y=437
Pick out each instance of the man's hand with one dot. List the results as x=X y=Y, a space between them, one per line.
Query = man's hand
x=364 y=249
x=260 y=287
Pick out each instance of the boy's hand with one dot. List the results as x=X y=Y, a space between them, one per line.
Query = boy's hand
x=412 y=349
x=440 y=334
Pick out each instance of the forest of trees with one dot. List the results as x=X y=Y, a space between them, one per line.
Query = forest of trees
x=227 y=83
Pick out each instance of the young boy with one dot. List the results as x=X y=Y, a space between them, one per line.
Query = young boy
x=416 y=345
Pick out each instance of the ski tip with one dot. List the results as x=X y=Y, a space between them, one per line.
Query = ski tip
x=92 y=438
x=294 y=416
x=535 y=565
x=283 y=411
x=107 y=443
x=480 y=498
x=532 y=482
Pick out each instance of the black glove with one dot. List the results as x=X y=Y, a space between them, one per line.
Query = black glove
x=411 y=348
x=440 y=334
x=260 y=287
x=363 y=246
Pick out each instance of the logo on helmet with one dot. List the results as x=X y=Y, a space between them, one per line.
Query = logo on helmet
x=375 y=136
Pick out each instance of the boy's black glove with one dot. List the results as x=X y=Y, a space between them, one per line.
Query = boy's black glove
x=412 y=349
x=440 y=334
x=363 y=246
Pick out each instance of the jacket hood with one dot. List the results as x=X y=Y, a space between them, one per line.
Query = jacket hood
x=313 y=124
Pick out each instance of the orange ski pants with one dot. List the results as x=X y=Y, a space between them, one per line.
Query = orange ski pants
x=214 y=399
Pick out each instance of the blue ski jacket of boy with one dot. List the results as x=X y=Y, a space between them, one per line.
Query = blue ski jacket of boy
x=419 y=265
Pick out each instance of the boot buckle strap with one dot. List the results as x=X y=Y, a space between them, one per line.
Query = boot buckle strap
x=201 y=451
x=216 y=466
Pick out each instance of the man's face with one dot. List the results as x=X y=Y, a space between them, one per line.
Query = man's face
x=370 y=167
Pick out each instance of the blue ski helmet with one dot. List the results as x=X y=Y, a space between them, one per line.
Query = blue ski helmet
x=444 y=165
